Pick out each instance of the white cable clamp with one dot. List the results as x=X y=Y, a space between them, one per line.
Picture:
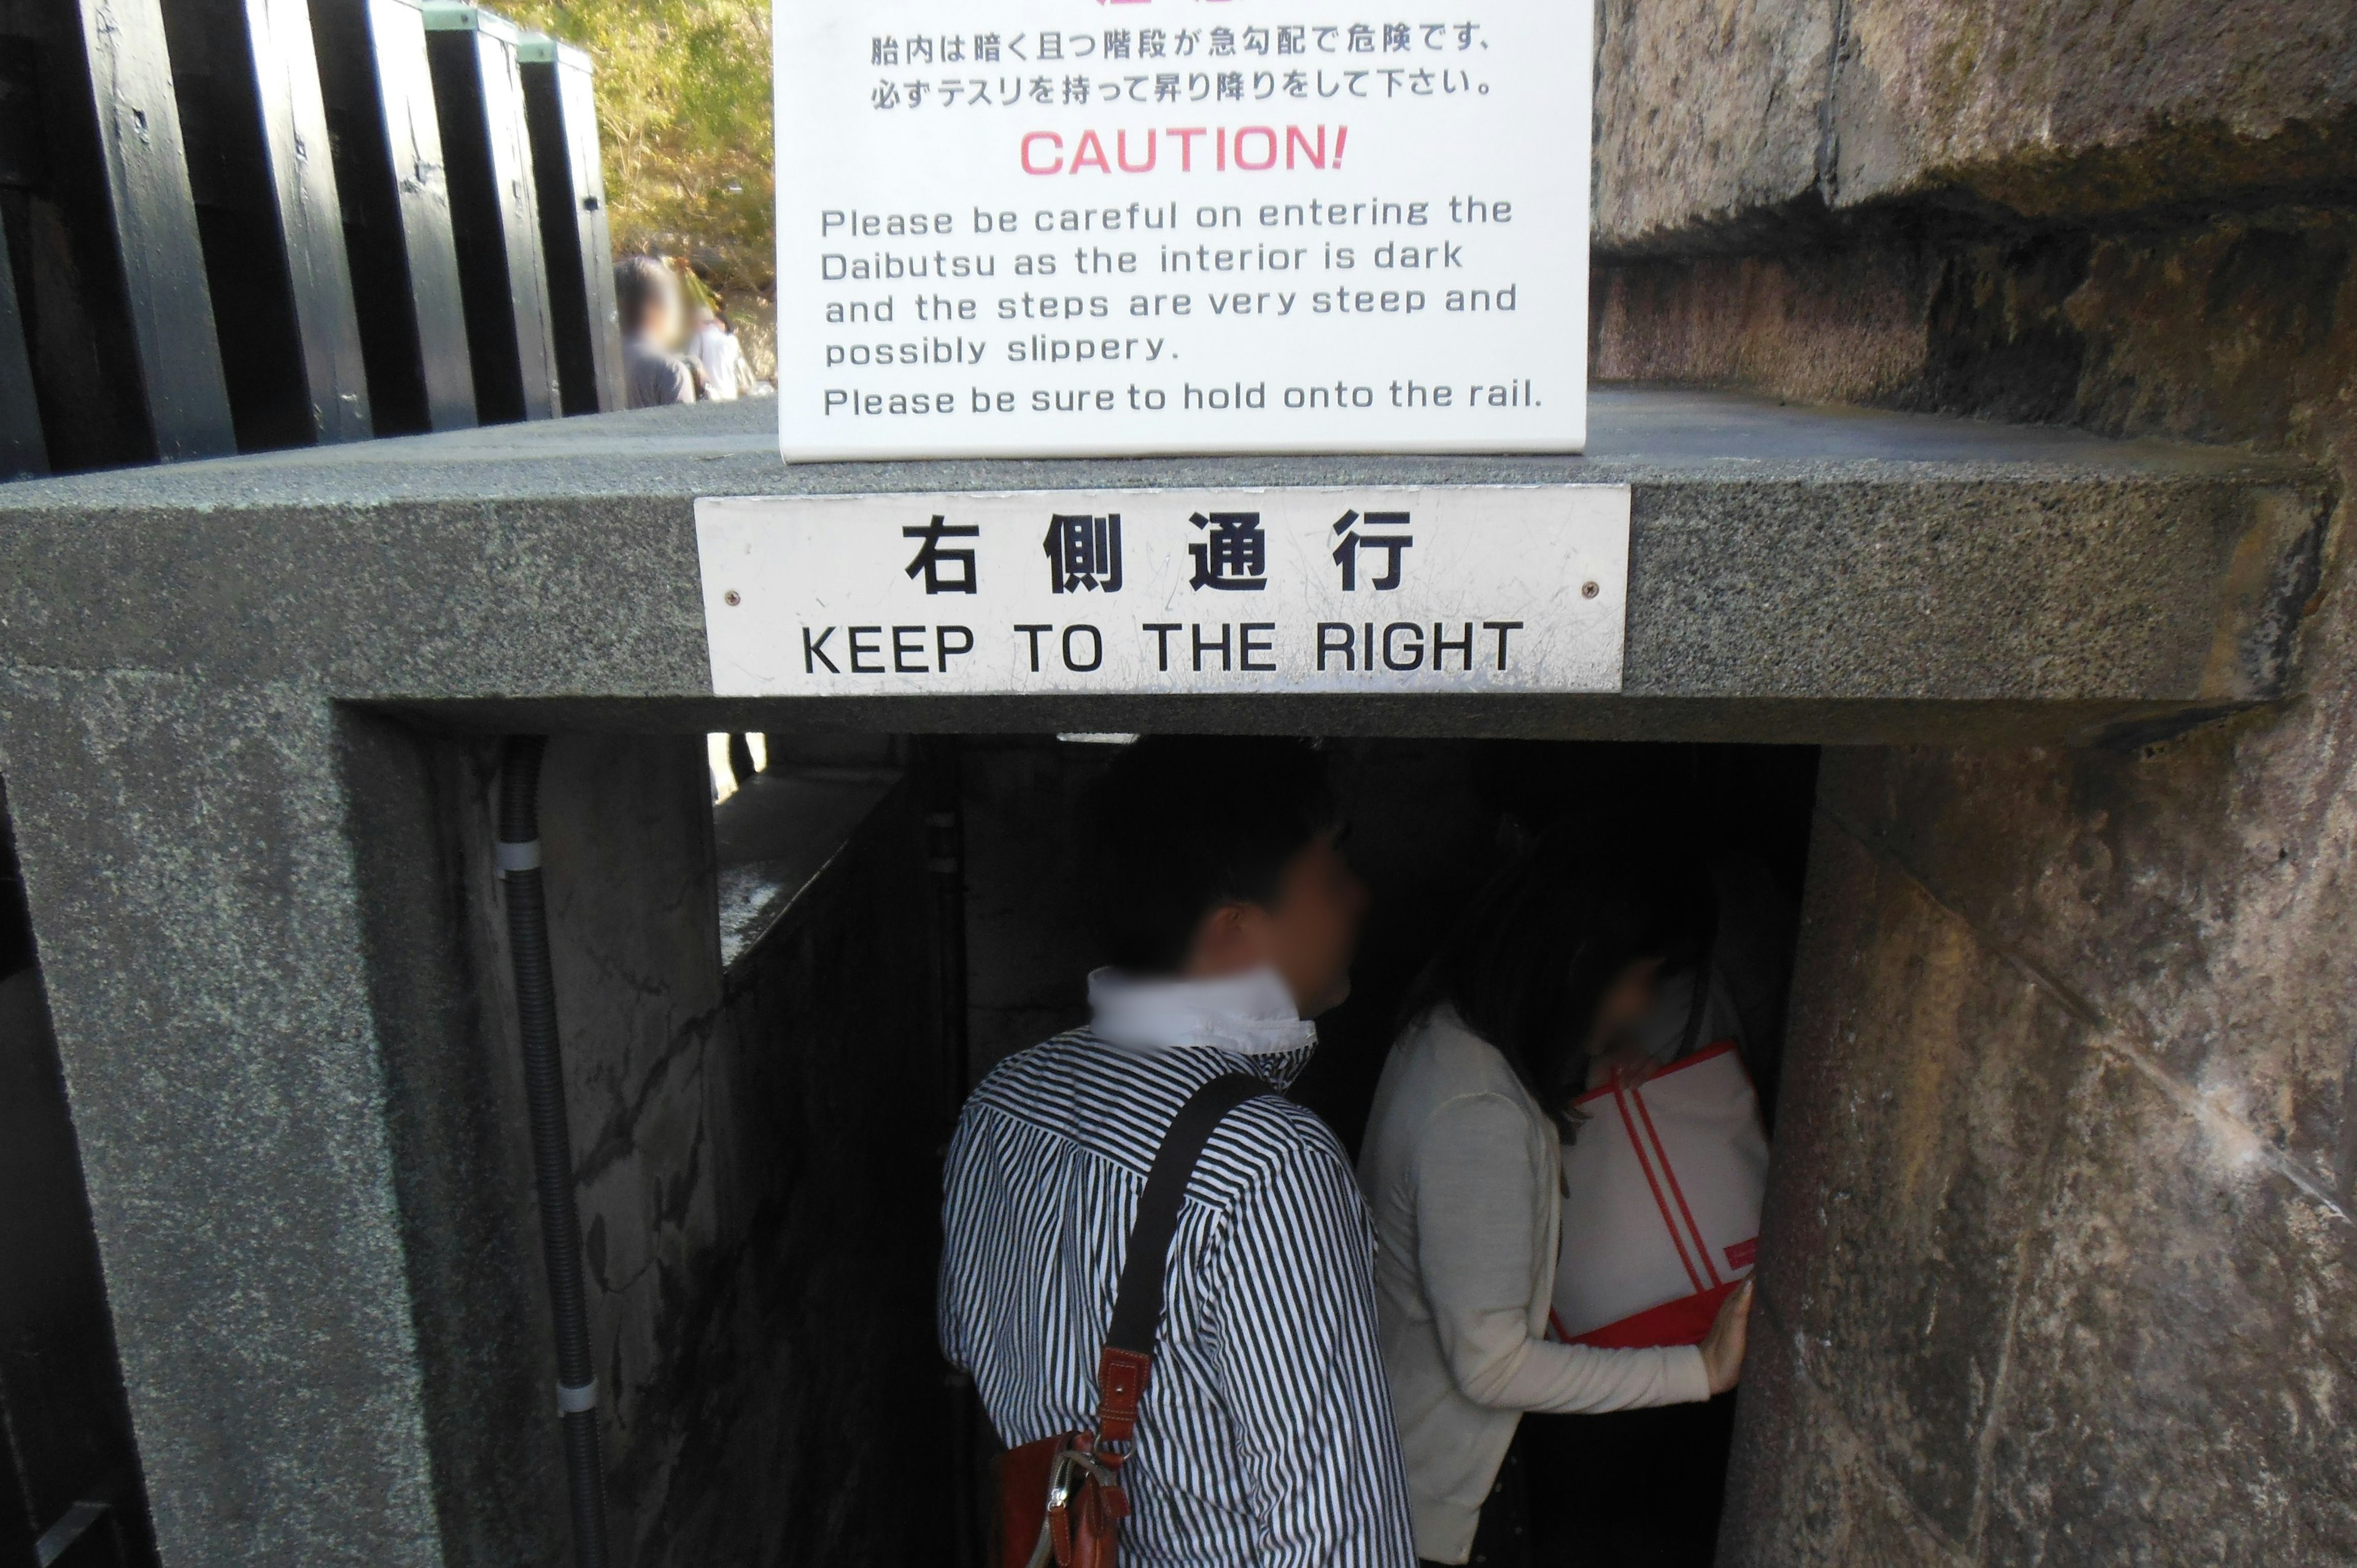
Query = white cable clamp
x=519 y=856
x=573 y=1399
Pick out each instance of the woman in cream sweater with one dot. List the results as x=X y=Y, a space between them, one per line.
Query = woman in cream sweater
x=1525 y=1006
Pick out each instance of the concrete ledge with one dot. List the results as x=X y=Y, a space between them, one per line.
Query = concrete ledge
x=777 y=835
x=1874 y=576
x=268 y=926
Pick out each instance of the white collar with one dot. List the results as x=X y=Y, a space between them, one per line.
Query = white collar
x=1250 y=1014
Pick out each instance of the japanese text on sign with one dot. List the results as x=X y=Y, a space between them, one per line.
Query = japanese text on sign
x=1007 y=228
x=1466 y=589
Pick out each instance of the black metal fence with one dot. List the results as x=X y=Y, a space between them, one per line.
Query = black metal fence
x=231 y=225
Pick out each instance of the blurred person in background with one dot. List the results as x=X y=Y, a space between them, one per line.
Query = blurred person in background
x=647 y=296
x=714 y=346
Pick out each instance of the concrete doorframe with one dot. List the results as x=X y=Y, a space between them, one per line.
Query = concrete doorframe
x=239 y=700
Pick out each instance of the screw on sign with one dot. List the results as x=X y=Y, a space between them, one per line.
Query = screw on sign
x=1588 y=590
x=732 y=598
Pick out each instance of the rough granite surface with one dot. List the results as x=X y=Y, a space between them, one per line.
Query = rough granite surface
x=289 y=1081
x=2060 y=1246
x=1710 y=117
x=2079 y=108
x=194 y=900
x=2058 y=1260
x=1825 y=560
x=1725 y=123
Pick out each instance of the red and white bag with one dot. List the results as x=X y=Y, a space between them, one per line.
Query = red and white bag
x=1661 y=1213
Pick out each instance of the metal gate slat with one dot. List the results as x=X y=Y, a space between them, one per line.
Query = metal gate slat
x=561 y=111
x=495 y=212
x=390 y=175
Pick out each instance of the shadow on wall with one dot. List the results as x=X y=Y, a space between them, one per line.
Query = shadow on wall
x=756 y=1149
x=759 y=1182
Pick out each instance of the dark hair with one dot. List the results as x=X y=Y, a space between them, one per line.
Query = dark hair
x=639 y=283
x=1530 y=962
x=1181 y=824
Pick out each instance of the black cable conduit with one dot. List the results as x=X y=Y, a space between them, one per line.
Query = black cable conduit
x=552 y=1142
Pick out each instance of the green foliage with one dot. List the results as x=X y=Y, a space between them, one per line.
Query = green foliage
x=683 y=114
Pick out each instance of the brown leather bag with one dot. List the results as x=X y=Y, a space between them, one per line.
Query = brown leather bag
x=1060 y=1498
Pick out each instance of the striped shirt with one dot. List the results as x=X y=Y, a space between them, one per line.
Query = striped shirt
x=1265 y=1435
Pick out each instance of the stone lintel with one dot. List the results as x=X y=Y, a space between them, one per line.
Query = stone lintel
x=1797 y=574
x=249 y=884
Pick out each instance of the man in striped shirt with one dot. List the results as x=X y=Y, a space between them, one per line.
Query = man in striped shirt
x=1265 y=1437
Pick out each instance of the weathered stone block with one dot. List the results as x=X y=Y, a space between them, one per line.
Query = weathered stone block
x=1709 y=117
x=2073 y=108
x=1726 y=124
x=2130 y=959
x=1834 y=327
x=2192 y=897
x=2178 y=1389
x=1803 y=1487
x=1909 y=1163
x=215 y=1031
x=2238 y=326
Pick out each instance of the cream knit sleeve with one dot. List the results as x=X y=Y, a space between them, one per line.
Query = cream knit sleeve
x=1476 y=1190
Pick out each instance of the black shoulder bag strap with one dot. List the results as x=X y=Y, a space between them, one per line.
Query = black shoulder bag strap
x=1128 y=1353
x=1086 y=1502
x=1137 y=1301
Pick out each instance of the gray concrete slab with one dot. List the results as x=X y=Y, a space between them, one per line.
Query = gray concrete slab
x=219 y=684
x=1637 y=435
x=1876 y=575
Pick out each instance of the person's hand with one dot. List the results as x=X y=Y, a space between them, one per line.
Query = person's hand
x=1627 y=1066
x=1722 y=1347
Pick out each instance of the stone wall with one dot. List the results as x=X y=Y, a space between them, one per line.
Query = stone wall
x=756 y=1152
x=2234 y=327
x=2058 y=1262
x=1724 y=124
x=2132 y=218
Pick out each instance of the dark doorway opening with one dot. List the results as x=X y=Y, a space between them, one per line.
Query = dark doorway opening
x=1430 y=821
x=773 y=1005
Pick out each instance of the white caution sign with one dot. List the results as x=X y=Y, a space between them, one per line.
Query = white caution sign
x=1106 y=227
x=1466 y=589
